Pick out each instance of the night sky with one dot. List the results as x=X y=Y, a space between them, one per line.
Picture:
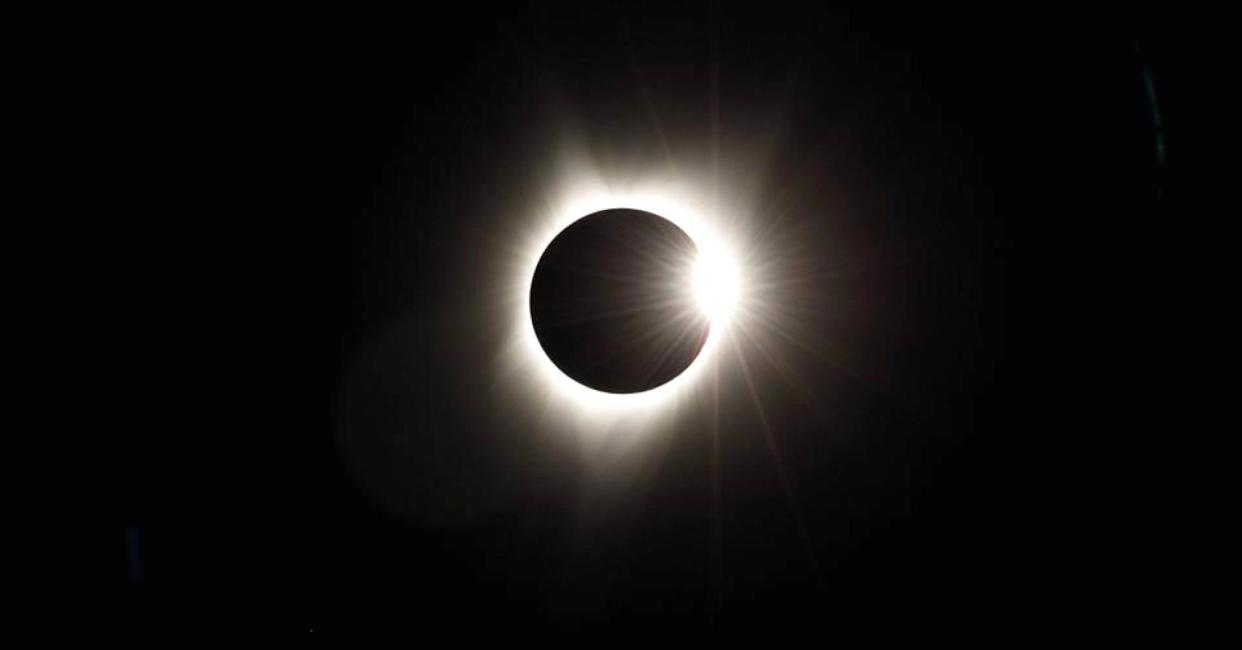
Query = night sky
x=914 y=452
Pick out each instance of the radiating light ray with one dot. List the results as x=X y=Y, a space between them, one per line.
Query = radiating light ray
x=787 y=375
x=716 y=532
x=769 y=438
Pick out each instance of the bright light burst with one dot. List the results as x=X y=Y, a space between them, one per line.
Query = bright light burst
x=716 y=287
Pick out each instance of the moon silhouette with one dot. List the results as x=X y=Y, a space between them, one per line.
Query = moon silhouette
x=612 y=301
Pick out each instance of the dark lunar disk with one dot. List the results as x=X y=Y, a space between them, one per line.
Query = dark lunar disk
x=612 y=303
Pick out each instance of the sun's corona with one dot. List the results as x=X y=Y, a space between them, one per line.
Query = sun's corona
x=714 y=292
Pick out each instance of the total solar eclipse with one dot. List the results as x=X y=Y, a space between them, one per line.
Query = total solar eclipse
x=615 y=304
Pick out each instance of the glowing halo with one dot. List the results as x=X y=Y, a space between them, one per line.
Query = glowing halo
x=580 y=407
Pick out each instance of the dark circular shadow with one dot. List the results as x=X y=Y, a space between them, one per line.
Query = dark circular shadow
x=612 y=304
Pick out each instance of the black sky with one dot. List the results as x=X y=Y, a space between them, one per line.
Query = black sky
x=950 y=173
